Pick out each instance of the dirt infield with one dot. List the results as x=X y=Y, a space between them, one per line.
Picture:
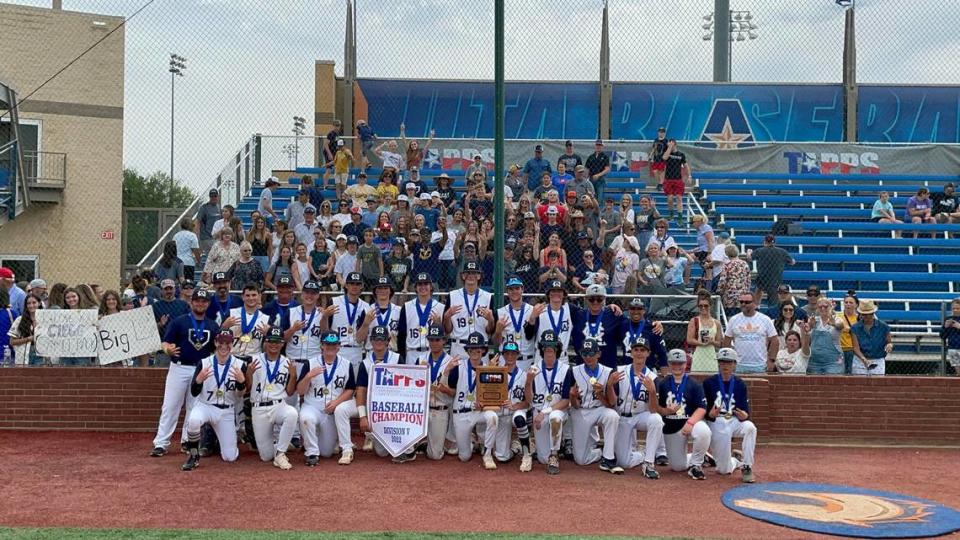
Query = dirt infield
x=107 y=480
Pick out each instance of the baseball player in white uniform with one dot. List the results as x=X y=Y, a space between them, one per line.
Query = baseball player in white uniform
x=554 y=316
x=514 y=412
x=218 y=386
x=325 y=382
x=345 y=316
x=469 y=311
x=248 y=325
x=380 y=336
x=441 y=396
x=683 y=405
x=633 y=389
x=511 y=319
x=383 y=312
x=728 y=410
x=589 y=410
x=273 y=378
x=467 y=415
x=416 y=316
x=548 y=385
x=303 y=337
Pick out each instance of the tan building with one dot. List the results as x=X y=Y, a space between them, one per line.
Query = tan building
x=73 y=129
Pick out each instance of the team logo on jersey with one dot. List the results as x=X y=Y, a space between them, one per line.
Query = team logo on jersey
x=727 y=127
x=842 y=510
x=199 y=343
x=671 y=401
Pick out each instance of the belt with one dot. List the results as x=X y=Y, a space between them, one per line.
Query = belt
x=528 y=357
x=439 y=408
x=300 y=360
x=182 y=363
x=244 y=358
x=267 y=403
x=466 y=410
x=418 y=349
x=626 y=415
x=350 y=346
x=217 y=405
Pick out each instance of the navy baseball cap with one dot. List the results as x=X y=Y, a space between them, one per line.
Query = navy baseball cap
x=475 y=341
x=554 y=285
x=220 y=276
x=640 y=341
x=637 y=303
x=511 y=347
x=311 y=286
x=201 y=294
x=284 y=281
x=424 y=277
x=471 y=267
x=330 y=338
x=352 y=240
x=225 y=336
x=187 y=285
x=274 y=335
x=549 y=339
x=380 y=333
x=383 y=281
x=354 y=277
x=435 y=332
x=590 y=348
x=538 y=148
x=514 y=281
x=582 y=235
x=309 y=209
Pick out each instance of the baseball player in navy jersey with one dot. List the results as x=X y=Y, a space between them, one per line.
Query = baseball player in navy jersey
x=633 y=389
x=383 y=312
x=469 y=311
x=441 y=396
x=416 y=316
x=553 y=316
x=599 y=322
x=728 y=410
x=514 y=411
x=222 y=302
x=278 y=309
x=590 y=409
x=683 y=405
x=636 y=324
x=510 y=322
x=217 y=386
x=380 y=337
x=467 y=415
x=345 y=316
x=325 y=383
x=273 y=378
x=548 y=385
x=187 y=341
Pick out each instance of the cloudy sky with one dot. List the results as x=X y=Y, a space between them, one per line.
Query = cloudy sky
x=250 y=62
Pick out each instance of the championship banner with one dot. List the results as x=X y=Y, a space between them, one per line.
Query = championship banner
x=67 y=333
x=127 y=334
x=397 y=400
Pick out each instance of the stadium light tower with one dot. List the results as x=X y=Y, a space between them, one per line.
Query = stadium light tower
x=742 y=28
x=299 y=128
x=178 y=65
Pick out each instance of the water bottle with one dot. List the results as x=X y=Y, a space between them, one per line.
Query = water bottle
x=7 y=357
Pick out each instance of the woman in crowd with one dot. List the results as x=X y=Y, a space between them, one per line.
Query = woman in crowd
x=471 y=235
x=445 y=189
x=734 y=280
x=325 y=215
x=414 y=153
x=169 y=266
x=793 y=357
x=279 y=228
x=301 y=267
x=786 y=322
x=883 y=212
x=222 y=255
x=402 y=212
x=246 y=269
x=55 y=296
x=22 y=333
x=88 y=298
x=850 y=317
x=705 y=244
x=627 y=213
x=71 y=300
x=554 y=245
x=387 y=185
x=455 y=223
x=586 y=271
x=626 y=264
x=661 y=236
x=289 y=239
x=236 y=225
x=527 y=266
x=320 y=257
x=824 y=328
x=514 y=180
x=383 y=218
x=261 y=242
x=282 y=268
x=704 y=335
x=110 y=304
x=226 y=214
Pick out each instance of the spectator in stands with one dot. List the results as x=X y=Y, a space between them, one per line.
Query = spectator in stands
x=165 y=309
x=527 y=266
x=222 y=255
x=734 y=279
x=387 y=189
x=553 y=224
x=304 y=231
x=333 y=141
x=705 y=245
x=360 y=190
x=289 y=240
x=283 y=267
x=71 y=299
x=785 y=296
x=535 y=167
x=581 y=184
x=279 y=229
x=552 y=269
x=397 y=266
x=207 y=216
x=320 y=260
x=653 y=268
x=293 y=214
x=315 y=193
x=169 y=265
x=356 y=227
x=414 y=153
x=657 y=149
x=824 y=329
x=367 y=137
x=705 y=335
x=786 y=322
x=546 y=185
x=813 y=296
x=850 y=317
x=478 y=203
x=188 y=248
x=569 y=158
x=369 y=214
x=261 y=241
x=679 y=265
x=37 y=287
x=598 y=165
x=585 y=270
x=430 y=213
x=883 y=212
x=236 y=224
x=369 y=261
x=54 y=299
x=946 y=205
x=872 y=341
x=476 y=172
x=265 y=206
x=554 y=247
x=626 y=262
x=662 y=237
x=920 y=210
x=771 y=261
x=794 y=356
x=626 y=210
x=753 y=336
x=584 y=243
x=610 y=222
x=445 y=190
x=346 y=262
x=186 y=291
x=675 y=168
x=227 y=213
x=246 y=269
x=950 y=334
x=7 y=319
x=344 y=212
x=22 y=332
x=645 y=218
x=561 y=178
x=302 y=269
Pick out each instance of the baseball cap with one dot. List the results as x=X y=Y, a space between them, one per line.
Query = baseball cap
x=511 y=347
x=330 y=338
x=552 y=210
x=414 y=232
x=220 y=277
x=341 y=236
x=514 y=281
x=724 y=235
x=640 y=341
x=726 y=354
x=549 y=339
x=596 y=290
x=813 y=289
x=370 y=198
x=676 y=356
x=355 y=210
x=201 y=294
x=568 y=143
x=661 y=128
x=354 y=277
x=188 y=285
x=352 y=239
x=225 y=336
x=571 y=195
x=598 y=141
x=590 y=348
x=477 y=155
x=423 y=277
x=434 y=194
x=529 y=215
x=538 y=148
x=274 y=335
x=554 y=285
x=582 y=235
x=273 y=180
x=383 y=281
x=403 y=197
x=471 y=267
x=769 y=238
x=784 y=288
x=361 y=174
x=311 y=286
x=425 y=196
x=475 y=341
x=637 y=303
x=414 y=169
x=410 y=185
x=213 y=193
x=435 y=332
x=380 y=333
x=309 y=209
x=284 y=281
x=339 y=142
x=37 y=283
x=168 y=283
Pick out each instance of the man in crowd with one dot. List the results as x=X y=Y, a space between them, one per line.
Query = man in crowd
x=535 y=167
x=306 y=227
x=771 y=260
x=946 y=205
x=188 y=248
x=293 y=214
x=753 y=336
x=598 y=165
x=265 y=205
x=569 y=158
x=207 y=216
x=674 y=169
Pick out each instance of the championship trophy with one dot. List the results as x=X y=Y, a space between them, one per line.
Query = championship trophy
x=492 y=388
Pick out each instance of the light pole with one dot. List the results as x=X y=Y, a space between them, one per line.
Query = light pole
x=299 y=127
x=177 y=66
x=742 y=28
x=291 y=151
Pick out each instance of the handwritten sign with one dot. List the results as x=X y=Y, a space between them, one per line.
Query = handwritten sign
x=127 y=334
x=397 y=400
x=67 y=332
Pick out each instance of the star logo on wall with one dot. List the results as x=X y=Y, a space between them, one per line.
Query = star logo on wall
x=727 y=139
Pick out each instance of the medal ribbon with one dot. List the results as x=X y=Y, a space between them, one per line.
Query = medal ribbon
x=595 y=372
x=423 y=314
x=328 y=372
x=553 y=377
x=244 y=327
x=351 y=315
x=558 y=324
x=197 y=332
x=435 y=367
x=517 y=322
x=726 y=396
x=635 y=331
x=636 y=386
x=226 y=370
x=466 y=302
x=471 y=378
x=678 y=389
x=592 y=328
x=266 y=369
x=303 y=331
x=383 y=321
x=224 y=313
x=513 y=375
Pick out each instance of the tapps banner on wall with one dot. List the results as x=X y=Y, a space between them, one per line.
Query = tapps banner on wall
x=397 y=406
x=78 y=333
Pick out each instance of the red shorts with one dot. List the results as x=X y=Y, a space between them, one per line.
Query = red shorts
x=673 y=187
x=658 y=166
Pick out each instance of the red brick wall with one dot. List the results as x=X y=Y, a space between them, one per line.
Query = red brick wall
x=892 y=410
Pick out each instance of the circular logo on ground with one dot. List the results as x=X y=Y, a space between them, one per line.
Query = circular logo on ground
x=842 y=510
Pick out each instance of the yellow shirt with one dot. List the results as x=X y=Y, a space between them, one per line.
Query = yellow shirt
x=359 y=194
x=342 y=161
x=846 y=342
x=384 y=190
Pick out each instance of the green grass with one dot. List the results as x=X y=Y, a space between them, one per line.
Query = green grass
x=170 y=534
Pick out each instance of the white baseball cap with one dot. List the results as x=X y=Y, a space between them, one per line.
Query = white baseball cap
x=425 y=196
x=403 y=198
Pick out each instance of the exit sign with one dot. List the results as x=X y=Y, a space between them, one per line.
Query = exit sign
x=106 y=235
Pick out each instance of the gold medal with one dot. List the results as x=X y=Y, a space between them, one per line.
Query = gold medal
x=592 y=381
x=350 y=330
x=423 y=331
x=471 y=321
x=470 y=398
x=326 y=391
x=246 y=338
x=549 y=398
x=728 y=415
x=269 y=388
x=219 y=394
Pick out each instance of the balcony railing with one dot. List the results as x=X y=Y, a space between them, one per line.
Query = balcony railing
x=45 y=168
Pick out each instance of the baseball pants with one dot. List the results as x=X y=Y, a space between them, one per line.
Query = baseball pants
x=319 y=431
x=627 y=455
x=341 y=417
x=176 y=392
x=504 y=437
x=222 y=422
x=437 y=433
x=264 y=418
x=722 y=433
x=585 y=438
x=354 y=354
x=548 y=436
x=677 y=447
x=464 y=424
